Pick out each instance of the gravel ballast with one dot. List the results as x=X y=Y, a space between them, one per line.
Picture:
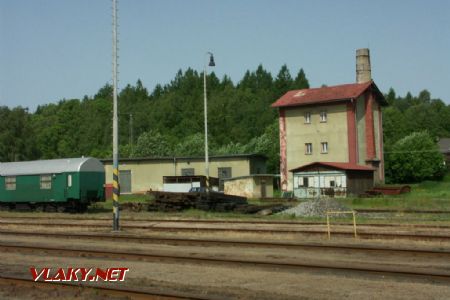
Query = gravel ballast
x=315 y=208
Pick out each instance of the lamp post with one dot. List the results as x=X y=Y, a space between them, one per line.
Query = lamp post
x=211 y=64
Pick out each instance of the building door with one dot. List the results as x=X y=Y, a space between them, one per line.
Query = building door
x=263 y=189
x=224 y=173
x=125 y=181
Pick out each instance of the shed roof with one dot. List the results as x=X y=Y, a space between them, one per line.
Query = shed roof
x=328 y=94
x=51 y=166
x=334 y=165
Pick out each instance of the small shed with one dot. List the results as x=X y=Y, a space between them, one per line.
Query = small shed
x=252 y=186
x=331 y=179
x=444 y=148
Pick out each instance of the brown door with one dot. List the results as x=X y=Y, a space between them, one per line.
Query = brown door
x=263 y=189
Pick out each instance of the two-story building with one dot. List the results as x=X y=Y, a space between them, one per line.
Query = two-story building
x=331 y=138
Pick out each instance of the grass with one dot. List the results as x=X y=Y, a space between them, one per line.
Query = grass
x=428 y=195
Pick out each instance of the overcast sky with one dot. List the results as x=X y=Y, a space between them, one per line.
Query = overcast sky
x=56 y=49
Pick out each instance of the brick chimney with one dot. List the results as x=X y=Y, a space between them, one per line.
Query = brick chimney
x=363 y=70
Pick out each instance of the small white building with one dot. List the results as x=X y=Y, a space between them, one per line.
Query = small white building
x=336 y=180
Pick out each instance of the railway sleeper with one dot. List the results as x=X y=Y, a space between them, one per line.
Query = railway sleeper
x=70 y=207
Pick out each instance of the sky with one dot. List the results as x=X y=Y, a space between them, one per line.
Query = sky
x=61 y=49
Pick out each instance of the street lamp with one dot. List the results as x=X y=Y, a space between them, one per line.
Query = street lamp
x=211 y=64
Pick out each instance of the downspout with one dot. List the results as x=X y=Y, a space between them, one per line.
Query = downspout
x=174 y=166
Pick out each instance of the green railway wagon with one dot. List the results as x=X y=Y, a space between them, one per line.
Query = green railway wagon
x=55 y=184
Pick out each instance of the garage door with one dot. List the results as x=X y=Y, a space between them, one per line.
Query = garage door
x=125 y=181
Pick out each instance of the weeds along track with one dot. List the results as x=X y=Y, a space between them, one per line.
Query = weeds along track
x=219 y=221
x=285 y=229
x=24 y=283
x=441 y=276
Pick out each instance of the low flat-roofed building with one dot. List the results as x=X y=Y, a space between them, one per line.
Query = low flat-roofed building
x=251 y=186
x=138 y=175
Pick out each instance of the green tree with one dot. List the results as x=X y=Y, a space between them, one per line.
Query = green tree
x=414 y=158
x=192 y=145
x=301 y=82
x=151 y=143
x=283 y=82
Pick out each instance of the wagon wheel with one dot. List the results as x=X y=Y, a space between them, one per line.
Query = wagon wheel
x=39 y=208
x=60 y=209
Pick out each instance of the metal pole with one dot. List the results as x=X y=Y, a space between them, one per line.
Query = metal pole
x=206 y=128
x=131 y=131
x=116 y=190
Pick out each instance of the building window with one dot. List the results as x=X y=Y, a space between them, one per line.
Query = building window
x=324 y=147
x=188 y=172
x=323 y=116
x=308 y=118
x=46 y=182
x=303 y=182
x=223 y=173
x=10 y=183
x=308 y=148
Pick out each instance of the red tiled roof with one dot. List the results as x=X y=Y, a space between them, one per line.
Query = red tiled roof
x=335 y=165
x=326 y=94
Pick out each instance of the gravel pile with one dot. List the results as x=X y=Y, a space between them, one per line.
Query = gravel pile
x=315 y=208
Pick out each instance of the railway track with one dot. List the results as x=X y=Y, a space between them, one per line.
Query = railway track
x=355 y=268
x=386 y=250
x=222 y=221
x=134 y=294
x=194 y=229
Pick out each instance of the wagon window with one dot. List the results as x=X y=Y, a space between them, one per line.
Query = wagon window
x=10 y=183
x=69 y=180
x=46 y=182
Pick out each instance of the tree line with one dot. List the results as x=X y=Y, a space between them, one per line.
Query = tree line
x=168 y=121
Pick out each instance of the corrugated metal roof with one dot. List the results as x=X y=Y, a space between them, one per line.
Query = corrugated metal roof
x=51 y=166
x=327 y=94
x=335 y=165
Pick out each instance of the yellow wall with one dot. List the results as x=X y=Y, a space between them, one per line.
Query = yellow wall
x=334 y=131
x=148 y=174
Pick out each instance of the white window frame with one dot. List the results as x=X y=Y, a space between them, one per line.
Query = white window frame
x=324 y=147
x=69 y=180
x=10 y=183
x=307 y=118
x=323 y=117
x=46 y=182
x=308 y=148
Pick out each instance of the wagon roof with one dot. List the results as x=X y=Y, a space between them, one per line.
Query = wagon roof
x=51 y=166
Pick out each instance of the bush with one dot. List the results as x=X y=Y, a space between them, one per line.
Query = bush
x=414 y=158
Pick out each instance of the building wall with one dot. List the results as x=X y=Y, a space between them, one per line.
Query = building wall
x=239 y=167
x=358 y=182
x=250 y=186
x=148 y=174
x=334 y=132
x=361 y=130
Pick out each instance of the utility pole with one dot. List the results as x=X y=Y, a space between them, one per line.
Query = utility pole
x=131 y=131
x=116 y=190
